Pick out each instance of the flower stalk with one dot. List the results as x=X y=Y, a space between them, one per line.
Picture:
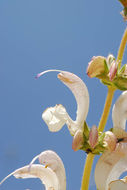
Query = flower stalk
x=90 y=156
x=106 y=110
x=87 y=171
x=122 y=48
x=104 y=117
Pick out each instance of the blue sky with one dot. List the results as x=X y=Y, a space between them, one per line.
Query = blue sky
x=50 y=34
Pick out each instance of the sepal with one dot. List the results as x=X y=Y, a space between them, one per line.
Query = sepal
x=97 y=66
x=99 y=145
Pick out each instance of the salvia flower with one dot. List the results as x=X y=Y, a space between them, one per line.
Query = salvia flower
x=50 y=171
x=118 y=184
x=55 y=117
x=113 y=161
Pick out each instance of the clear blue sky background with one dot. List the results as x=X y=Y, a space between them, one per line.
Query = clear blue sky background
x=36 y=35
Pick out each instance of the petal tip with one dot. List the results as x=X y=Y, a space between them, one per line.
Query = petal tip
x=37 y=76
x=65 y=78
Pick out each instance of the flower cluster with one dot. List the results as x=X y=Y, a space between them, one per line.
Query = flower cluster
x=112 y=144
x=113 y=161
x=108 y=71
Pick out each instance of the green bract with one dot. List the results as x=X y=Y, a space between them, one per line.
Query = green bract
x=100 y=146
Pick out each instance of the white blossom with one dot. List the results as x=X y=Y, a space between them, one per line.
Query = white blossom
x=50 y=171
x=113 y=163
x=55 y=117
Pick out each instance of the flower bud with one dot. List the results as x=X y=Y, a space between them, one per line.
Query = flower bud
x=110 y=140
x=77 y=140
x=93 y=136
x=113 y=70
x=123 y=2
x=96 y=66
x=110 y=59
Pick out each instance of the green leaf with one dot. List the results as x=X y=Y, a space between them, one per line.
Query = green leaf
x=101 y=138
x=86 y=130
x=122 y=70
x=121 y=83
x=106 y=67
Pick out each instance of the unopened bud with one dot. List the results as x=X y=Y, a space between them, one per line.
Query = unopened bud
x=123 y=2
x=110 y=59
x=77 y=140
x=113 y=70
x=110 y=140
x=93 y=136
x=96 y=66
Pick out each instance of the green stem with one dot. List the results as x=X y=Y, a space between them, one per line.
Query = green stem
x=90 y=157
x=87 y=171
x=106 y=110
x=122 y=48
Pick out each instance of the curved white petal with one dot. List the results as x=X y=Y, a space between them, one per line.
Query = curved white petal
x=51 y=160
x=79 y=89
x=110 y=141
x=119 y=133
x=52 y=174
x=119 y=112
x=46 y=175
x=118 y=185
x=55 y=118
x=110 y=166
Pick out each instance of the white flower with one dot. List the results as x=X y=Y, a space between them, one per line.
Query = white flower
x=119 y=113
x=51 y=173
x=113 y=163
x=56 y=117
x=120 y=184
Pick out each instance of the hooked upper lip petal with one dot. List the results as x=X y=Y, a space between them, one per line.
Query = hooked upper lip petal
x=62 y=77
